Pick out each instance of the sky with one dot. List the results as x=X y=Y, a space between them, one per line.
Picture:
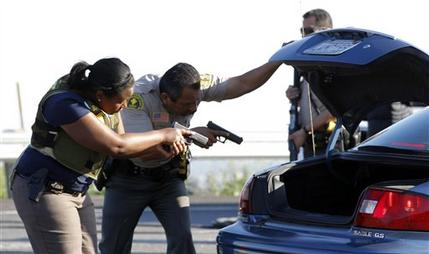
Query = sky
x=41 y=40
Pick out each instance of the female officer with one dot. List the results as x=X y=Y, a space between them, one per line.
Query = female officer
x=77 y=126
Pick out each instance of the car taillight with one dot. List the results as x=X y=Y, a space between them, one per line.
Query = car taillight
x=245 y=196
x=393 y=209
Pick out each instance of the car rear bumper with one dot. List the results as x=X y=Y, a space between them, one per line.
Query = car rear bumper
x=273 y=238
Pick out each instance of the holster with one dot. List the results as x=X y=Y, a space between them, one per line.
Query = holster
x=37 y=183
x=184 y=164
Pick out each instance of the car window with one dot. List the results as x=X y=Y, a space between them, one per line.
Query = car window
x=411 y=135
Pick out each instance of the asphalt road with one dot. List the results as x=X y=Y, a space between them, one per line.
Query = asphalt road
x=206 y=214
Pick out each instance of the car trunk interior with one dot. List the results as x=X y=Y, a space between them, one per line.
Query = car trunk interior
x=335 y=190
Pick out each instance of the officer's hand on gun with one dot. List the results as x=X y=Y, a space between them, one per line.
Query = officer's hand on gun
x=206 y=136
x=292 y=93
x=298 y=138
x=175 y=139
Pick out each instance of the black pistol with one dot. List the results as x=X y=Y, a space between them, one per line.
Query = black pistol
x=231 y=136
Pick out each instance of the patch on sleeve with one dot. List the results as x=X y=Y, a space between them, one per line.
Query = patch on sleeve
x=160 y=117
x=206 y=81
x=136 y=101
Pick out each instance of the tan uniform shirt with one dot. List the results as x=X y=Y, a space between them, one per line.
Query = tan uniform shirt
x=145 y=111
x=316 y=105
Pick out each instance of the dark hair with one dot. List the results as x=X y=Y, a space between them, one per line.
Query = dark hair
x=176 y=78
x=323 y=19
x=110 y=75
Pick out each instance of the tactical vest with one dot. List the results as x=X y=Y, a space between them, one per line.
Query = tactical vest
x=56 y=143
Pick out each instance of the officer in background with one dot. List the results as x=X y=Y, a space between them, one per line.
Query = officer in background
x=385 y=115
x=156 y=180
x=315 y=120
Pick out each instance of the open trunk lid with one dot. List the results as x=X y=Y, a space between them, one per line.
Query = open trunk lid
x=353 y=70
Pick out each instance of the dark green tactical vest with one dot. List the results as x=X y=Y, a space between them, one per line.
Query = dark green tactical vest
x=56 y=143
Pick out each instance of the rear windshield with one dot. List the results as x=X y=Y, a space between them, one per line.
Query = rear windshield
x=411 y=135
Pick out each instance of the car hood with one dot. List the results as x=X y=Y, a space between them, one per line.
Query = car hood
x=353 y=70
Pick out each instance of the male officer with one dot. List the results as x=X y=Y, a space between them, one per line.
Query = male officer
x=157 y=180
x=385 y=115
x=313 y=116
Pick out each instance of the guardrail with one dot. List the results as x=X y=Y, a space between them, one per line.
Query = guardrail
x=256 y=145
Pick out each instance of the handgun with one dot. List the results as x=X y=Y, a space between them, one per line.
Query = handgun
x=196 y=137
x=231 y=136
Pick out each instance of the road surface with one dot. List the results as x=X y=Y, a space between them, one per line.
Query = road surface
x=148 y=237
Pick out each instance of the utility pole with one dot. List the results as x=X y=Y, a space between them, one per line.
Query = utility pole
x=8 y=164
x=21 y=118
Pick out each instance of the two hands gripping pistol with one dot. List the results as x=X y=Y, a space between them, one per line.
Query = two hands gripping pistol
x=195 y=137
x=203 y=140
x=184 y=158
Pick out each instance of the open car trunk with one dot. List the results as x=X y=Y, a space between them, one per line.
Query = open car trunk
x=352 y=71
x=318 y=191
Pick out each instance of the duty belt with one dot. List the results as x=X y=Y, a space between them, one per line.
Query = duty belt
x=57 y=187
x=167 y=170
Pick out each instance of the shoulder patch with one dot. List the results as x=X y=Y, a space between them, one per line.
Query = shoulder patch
x=206 y=80
x=136 y=101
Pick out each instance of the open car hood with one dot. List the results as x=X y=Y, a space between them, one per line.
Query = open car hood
x=353 y=70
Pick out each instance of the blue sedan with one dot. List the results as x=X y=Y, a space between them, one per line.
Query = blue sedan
x=372 y=198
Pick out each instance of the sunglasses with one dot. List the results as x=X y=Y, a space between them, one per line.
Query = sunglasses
x=309 y=30
x=306 y=30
